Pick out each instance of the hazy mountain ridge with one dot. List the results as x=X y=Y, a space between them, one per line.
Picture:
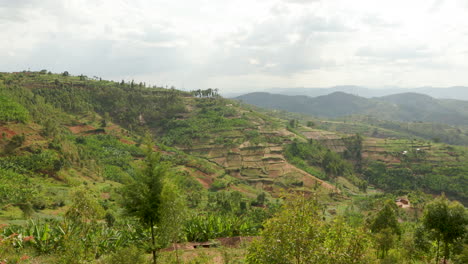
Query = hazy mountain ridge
x=454 y=92
x=411 y=107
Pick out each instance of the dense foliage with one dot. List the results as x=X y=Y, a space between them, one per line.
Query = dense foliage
x=12 y=111
x=297 y=234
x=410 y=176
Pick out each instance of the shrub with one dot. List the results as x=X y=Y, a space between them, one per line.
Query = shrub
x=12 y=111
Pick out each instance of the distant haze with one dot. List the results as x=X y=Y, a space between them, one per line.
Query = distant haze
x=459 y=92
x=407 y=107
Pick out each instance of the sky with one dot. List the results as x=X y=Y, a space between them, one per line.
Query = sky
x=241 y=45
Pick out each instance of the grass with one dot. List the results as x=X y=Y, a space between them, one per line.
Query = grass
x=220 y=255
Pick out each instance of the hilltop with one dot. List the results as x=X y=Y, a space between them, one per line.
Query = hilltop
x=454 y=92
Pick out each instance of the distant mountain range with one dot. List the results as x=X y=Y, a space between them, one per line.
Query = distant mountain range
x=407 y=107
x=455 y=92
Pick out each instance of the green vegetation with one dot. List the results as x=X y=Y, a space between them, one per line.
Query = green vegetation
x=410 y=175
x=12 y=111
x=212 y=117
x=385 y=228
x=80 y=182
x=297 y=234
x=318 y=160
x=407 y=107
x=378 y=126
x=143 y=198
x=446 y=221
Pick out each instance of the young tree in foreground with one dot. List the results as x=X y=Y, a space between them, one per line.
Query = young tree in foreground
x=84 y=207
x=297 y=234
x=142 y=198
x=385 y=228
x=173 y=214
x=448 y=221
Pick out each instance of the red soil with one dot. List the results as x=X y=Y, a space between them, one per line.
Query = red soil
x=80 y=129
x=9 y=133
x=128 y=142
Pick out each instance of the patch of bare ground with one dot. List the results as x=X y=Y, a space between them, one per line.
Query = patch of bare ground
x=6 y=132
x=203 y=178
x=231 y=242
x=80 y=129
x=126 y=141
x=309 y=180
x=387 y=158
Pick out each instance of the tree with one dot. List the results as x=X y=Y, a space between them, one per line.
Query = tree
x=385 y=227
x=293 y=123
x=386 y=218
x=105 y=120
x=447 y=221
x=15 y=142
x=50 y=128
x=334 y=165
x=354 y=150
x=298 y=235
x=142 y=198
x=173 y=214
x=84 y=207
x=79 y=241
x=12 y=111
x=10 y=194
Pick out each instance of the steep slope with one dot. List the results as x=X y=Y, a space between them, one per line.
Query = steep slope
x=245 y=145
x=81 y=129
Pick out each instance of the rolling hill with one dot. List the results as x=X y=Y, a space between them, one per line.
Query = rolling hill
x=455 y=92
x=407 y=107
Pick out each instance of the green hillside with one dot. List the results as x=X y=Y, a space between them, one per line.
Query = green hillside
x=95 y=171
x=405 y=107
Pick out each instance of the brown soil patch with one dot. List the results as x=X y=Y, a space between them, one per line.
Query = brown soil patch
x=224 y=241
x=312 y=179
x=80 y=129
x=8 y=133
x=203 y=178
x=128 y=142
x=285 y=133
x=105 y=195
x=113 y=128
x=221 y=161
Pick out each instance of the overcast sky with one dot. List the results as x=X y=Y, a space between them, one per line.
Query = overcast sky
x=240 y=45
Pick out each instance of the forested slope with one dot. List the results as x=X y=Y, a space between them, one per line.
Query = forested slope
x=405 y=107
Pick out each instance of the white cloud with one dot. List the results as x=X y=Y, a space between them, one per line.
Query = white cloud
x=301 y=1
x=241 y=44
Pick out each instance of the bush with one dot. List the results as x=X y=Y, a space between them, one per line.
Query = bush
x=297 y=234
x=12 y=111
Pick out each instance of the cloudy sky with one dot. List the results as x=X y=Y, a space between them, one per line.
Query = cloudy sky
x=240 y=45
